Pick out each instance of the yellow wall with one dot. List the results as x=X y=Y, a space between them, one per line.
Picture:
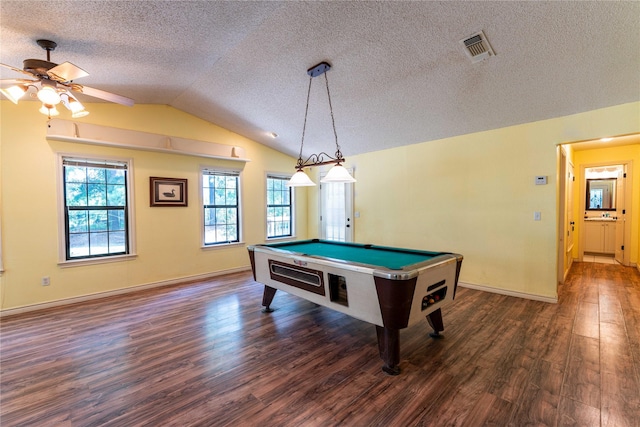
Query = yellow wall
x=607 y=155
x=168 y=239
x=475 y=195
x=472 y=194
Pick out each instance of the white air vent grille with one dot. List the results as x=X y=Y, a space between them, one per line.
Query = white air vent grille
x=477 y=47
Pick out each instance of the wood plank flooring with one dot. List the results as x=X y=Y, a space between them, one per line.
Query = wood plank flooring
x=203 y=354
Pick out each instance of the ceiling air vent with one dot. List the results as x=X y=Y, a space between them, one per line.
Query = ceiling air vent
x=477 y=47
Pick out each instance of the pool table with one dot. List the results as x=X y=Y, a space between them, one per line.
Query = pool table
x=391 y=288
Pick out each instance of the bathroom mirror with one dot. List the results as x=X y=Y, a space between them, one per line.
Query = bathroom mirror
x=601 y=194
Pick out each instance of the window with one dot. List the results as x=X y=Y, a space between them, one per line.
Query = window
x=220 y=198
x=96 y=208
x=279 y=208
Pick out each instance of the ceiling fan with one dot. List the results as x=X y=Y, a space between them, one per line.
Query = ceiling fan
x=54 y=84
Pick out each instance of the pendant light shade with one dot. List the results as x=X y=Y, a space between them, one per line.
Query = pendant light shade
x=338 y=173
x=300 y=179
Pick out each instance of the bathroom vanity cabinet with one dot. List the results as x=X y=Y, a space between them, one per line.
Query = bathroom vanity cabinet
x=600 y=236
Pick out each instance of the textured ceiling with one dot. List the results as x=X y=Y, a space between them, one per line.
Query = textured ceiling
x=399 y=76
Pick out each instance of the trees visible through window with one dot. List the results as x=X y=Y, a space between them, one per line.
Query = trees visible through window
x=95 y=208
x=595 y=199
x=279 y=208
x=220 y=195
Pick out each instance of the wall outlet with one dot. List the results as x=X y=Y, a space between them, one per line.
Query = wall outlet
x=46 y=281
x=537 y=216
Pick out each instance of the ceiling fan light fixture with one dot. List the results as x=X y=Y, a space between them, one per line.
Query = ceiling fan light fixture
x=73 y=105
x=48 y=95
x=49 y=110
x=14 y=93
x=79 y=114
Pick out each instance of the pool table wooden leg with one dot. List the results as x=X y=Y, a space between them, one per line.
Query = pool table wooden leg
x=435 y=320
x=389 y=347
x=267 y=298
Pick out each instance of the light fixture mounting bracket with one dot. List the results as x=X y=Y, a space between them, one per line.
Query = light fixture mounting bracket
x=47 y=45
x=318 y=70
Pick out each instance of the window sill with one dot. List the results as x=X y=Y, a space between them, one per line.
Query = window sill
x=94 y=261
x=222 y=246
x=277 y=239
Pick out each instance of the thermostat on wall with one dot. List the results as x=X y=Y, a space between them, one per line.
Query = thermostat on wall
x=541 y=180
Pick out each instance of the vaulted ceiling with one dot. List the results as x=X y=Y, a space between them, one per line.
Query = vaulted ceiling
x=400 y=74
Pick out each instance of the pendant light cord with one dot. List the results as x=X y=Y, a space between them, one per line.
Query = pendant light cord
x=333 y=122
x=304 y=126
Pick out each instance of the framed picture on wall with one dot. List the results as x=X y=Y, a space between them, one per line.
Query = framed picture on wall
x=168 y=191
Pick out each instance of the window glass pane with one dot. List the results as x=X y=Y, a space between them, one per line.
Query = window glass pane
x=98 y=220
x=231 y=216
x=117 y=242
x=116 y=195
x=115 y=176
x=209 y=235
x=98 y=243
x=230 y=197
x=76 y=194
x=97 y=194
x=232 y=233
x=78 y=221
x=221 y=233
x=116 y=220
x=78 y=245
x=96 y=175
x=219 y=196
x=75 y=174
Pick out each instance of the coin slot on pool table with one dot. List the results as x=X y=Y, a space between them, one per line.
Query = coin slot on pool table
x=338 y=289
x=300 y=277
x=433 y=297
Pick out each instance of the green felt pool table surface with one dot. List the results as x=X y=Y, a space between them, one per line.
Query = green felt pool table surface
x=379 y=256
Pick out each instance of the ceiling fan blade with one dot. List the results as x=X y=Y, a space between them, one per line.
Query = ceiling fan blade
x=17 y=70
x=66 y=72
x=107 y=96
x=16 y=81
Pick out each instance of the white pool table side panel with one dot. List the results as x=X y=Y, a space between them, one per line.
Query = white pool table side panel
x=361 y=288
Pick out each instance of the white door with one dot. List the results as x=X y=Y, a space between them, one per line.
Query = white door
x=336 y=211
x=620 y=215
x=571 y=179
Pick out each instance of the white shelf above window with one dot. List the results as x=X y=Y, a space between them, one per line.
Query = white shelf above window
x=86 y=133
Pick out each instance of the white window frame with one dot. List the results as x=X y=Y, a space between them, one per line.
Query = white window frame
x=62 y=255
x=210 y=170
x=275 y=175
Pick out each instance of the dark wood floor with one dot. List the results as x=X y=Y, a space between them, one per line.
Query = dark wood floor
x=204 y=354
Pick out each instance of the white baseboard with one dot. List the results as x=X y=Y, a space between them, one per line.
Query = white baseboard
x=74 y=300
x=525 y=295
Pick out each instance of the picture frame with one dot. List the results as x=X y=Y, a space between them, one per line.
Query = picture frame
x=167 y=191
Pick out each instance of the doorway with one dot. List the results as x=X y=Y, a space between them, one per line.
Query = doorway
x=336 y=210
x=605 y=199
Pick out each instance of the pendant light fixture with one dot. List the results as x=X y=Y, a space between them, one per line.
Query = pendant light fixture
x=337 y=173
